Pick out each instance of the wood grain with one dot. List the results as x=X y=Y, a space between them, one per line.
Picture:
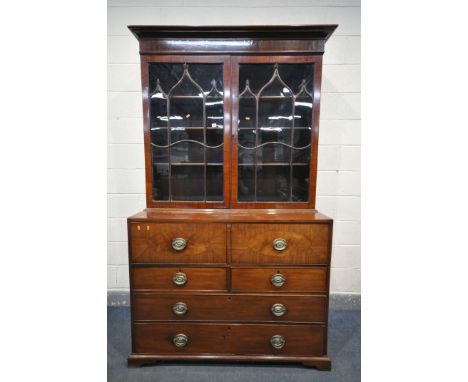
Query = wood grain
x=222 y=307
x=307 y=243
x=305 y=340
x=157 y=338
x=297 y=279
x=160 y=278
x=238 y=215
x=151 y=243
x=300 y=339
x=229 y=259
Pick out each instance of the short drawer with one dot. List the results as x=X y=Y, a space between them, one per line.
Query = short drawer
x=279 y=279
x=176 y=338
x=300 y=340
x=222 y=307
x=179 y=279
x=281 y=243
x=177 y=243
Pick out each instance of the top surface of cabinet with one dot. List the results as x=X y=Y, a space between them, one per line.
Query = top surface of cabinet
x=228 y=128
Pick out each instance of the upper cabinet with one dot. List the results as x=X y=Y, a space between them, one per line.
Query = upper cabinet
x=231 y=115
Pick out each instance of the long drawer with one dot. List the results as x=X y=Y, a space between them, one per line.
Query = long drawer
x=281 y=243
x=182 y=338
x=222 y=307
x=278 y=279
x=179 y=279
x=178 y=243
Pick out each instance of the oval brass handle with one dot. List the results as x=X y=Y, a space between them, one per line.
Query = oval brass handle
x=278 y=280
x=277 y=341
x=179 y=278
x=280 y=244
x=180 y=340
x=180 y=308
x=278 y=310
x=179 y=244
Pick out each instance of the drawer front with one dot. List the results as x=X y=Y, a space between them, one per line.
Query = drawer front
x=159 y=338
x=295 y=279
x=163 y=278
x=202 y=243
x=150 y=306
x=295 y=243
x=300 y=340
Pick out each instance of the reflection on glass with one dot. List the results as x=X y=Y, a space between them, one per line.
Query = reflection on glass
x=186 y=112
x=186 y=131
x=214 y=183
x=247 y=108
x=246 y=184
x=274 y=132
x=214 y=108
x=273 y=183
x=161 y=181
x=273 y=153
x=187 y=182
x=300 y=183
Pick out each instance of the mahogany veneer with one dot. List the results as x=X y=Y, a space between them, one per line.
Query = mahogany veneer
x=230 y=261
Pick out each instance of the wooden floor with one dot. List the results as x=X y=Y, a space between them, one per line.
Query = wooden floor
x=344 y=351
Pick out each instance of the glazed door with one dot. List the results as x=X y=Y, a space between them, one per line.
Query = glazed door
x=186 y=103
x=275 y=112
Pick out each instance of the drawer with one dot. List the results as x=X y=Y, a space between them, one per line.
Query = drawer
x=159 y=338
x=300 y=340
x=151 y=306
x=281 y=340
x=179 y=279
x=201 y=243
x=295 y=243
x=294 y=279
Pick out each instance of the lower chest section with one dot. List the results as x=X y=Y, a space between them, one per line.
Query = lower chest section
x=229 y=289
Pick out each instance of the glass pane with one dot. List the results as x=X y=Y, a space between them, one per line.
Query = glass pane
x=187 y=152
x=275 y=113
x=160 y=155
x=303 y=112
x=187 y=131
x=158 y=112
x=183 y=134
x=302 y=137
x=273 y=183
x=214 y=108
x=300 y=183
x=245 y=156
x=187 y=182
x=273 y=153
x=159 y=136
x=247 y=112
x=161 y=181
x=214 y=183
x=186 y=112
x=301 y=155
x=274 y=134
x=246 y=184
x=247 y=138
x=292 y=75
